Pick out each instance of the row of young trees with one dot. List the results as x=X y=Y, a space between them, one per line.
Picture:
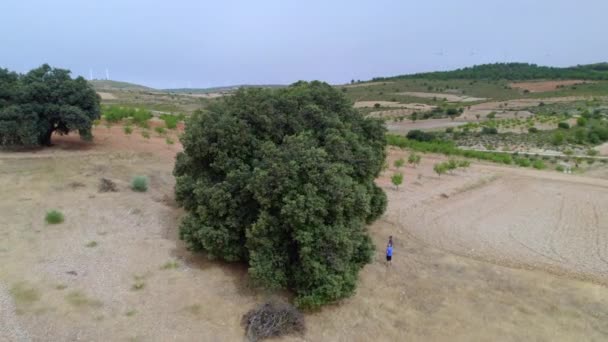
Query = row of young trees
x=45 y=100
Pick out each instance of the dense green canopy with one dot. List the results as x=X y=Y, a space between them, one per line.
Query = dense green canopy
x=43 y=101
x=284 y=180
x=514 y=71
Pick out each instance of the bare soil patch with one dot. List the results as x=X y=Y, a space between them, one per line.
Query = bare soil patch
x=106 y=96
x=542 y=86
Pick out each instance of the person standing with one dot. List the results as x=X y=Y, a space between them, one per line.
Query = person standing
x=389 y=252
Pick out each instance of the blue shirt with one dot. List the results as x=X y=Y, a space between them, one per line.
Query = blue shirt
x=389 y=251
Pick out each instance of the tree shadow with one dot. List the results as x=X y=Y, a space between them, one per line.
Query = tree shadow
x=235 y=271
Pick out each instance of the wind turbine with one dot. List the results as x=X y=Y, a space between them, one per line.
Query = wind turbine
x=107 y=74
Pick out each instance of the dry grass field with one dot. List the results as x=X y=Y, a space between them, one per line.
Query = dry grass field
x=490 y=253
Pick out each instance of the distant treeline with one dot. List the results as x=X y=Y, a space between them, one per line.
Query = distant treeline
x=513 y=71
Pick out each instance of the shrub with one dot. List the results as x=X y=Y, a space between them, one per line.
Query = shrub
x=533 y=130
x=451 y=165
x=141 y=117
x=278 y=178
x=272 y=319
x=563 y=125
x=171 y=120
x=559 y=168
x=492 y=115
x=128 y=129
x=145 y=134
x=523 y=162
x=581 y=121
x=413 y=159
x=449 y=130
x=591 y=152
x=489 y=130
x=54 y=217
x=419 y=135
x=558 y=139
x=440 y=168
x=464 y=163
x=169 y=141
x=376 y=105
x=160 y=130
x=538 y=164
x=139 y=183
x=397 y=179
x=399 y=163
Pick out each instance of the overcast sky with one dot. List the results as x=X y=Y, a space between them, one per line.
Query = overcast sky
x=195 y=43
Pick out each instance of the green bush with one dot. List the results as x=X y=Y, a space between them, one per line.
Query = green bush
x=54 y=217
x=563 y=125
x=559 y=168
x=397 y=179
x=440 y=168
x=558 y=139
x=581 y=121
x=170 y=120
x=452 y=164
x=464 y=163
x=128 y=129
x=489 y=130
x=413 y=159
x=141 y=117
x=538 y=164
x=139 y=183
x=399 y=163
x=532 y=130
x=160 y=130
x=419 y=135
x=523 y=162
x=283 y=179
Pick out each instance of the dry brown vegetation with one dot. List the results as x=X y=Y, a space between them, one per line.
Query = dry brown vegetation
x=542 y=86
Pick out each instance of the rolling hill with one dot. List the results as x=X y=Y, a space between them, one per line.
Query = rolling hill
x=513 y=71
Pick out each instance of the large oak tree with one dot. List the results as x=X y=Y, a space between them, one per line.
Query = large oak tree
x=284 y=180
x=46 y=100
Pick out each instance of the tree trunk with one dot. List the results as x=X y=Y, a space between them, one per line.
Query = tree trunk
x=45 y=139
